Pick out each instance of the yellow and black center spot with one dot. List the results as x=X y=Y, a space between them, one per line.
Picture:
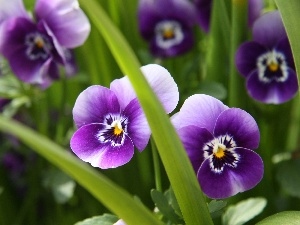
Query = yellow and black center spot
x=117 y=130
x=273 y=66
x=168 y=34
x=220 y=152
x=39 y=42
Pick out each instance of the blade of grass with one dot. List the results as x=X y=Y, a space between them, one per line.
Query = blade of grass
x=112 y=196
x=174 y=158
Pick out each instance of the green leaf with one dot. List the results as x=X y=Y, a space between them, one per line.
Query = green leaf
x=61 y=185
x=178 y=167
x=282 y=218
x=164 y=207
x=288 y=176
x=173 y=201
x=216 y=208
x=113 y=197
x=291 y=17
x=105 y=219
x=243 y=211
x=214 y=89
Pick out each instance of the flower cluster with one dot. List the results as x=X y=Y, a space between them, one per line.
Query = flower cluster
x=35 y=47
x=218 y=140
x=169 y=31
x=267 y=62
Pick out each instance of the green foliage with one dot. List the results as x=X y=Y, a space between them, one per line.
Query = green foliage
x=243 y=211
x=105 y=219
x=282 y=218
x=216 y=207
x=288 y=176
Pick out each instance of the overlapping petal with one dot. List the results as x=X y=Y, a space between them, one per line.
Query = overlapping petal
x=93 y=104
x=246 y=57
x=194 y=139
x=247 y=174
x=268 y=29
x=239 y=124
x=12 y=8
x=273 y=92
x=65 y=19
x=158 y=78
x=202 y=110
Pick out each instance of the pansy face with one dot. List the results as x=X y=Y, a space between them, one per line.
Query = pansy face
x=111 y=121
x=267 y=62
x=38 y=46
x=272 y=66
x=167 y=29
x=220 y=152
x=218 y=141
x=168 y=34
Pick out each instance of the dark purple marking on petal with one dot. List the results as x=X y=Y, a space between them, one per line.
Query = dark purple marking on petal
x=240 y=125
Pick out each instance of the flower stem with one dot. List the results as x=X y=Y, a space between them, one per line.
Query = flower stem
x=156 y=164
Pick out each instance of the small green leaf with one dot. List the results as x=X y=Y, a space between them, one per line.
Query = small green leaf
x=282 y=218
x=288 y=176
x=214 y=89
x=243 y=211
x=173 y=201
x=61 y=185
x=216 y=208
x=164 y=207
x=105 y=219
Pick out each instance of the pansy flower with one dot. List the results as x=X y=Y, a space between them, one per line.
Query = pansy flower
x=204 y=9
x=111 y=121
x=36 y=47
x=267 y=62
x=219 y=142
x=167 y=25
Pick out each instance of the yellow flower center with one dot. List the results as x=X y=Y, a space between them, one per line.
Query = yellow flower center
x=39 y=42
x=118 y=130
x=219 y=151
x=273 y=66
x=168 y=33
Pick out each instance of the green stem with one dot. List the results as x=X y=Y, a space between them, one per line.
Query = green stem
x=237 y=93
x=156 y=164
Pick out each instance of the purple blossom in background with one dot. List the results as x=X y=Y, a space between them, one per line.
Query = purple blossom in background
x=167 y=26
x=204 y=10
x=267 y=62
x=36 y=48
x=111 y=122
x=219 y=142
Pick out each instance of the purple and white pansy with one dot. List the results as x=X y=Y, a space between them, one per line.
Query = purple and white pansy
x=167 y=25
x=111 y=121
x=219 y=142
x=35 y=48
x=267 y=62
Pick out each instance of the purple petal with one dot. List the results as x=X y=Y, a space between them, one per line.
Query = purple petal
x=93 y=104
x=12 y=8
x=199 y=110
x=204 y=8
x=66 y=20
x=268 y=29
x=246 y=57
x=138 y=128
x=194 y=140
x=246 y=175
x=273 y=92
x=240 y=125
x=158 y=78
x=255 y=8
x=150 y=12
x=284 y=47
x=87 y=147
